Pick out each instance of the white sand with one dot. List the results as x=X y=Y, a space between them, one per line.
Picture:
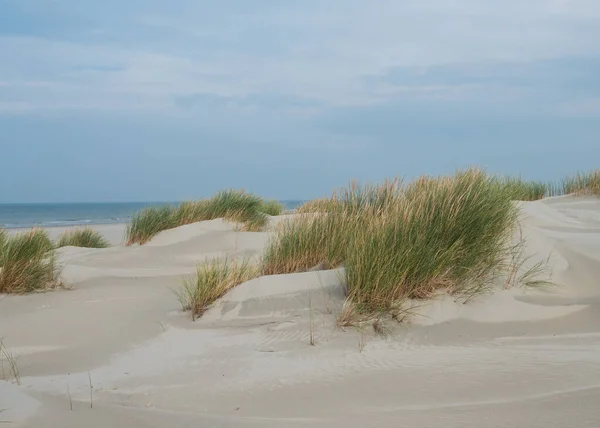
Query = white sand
x=516 y=357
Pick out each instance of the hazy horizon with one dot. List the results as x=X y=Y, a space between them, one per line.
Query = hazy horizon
x=148 y=101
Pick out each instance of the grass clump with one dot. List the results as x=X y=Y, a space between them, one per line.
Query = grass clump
x=27 y=263
x=321 y=233
x=399 y=241
x=147 y=223
x=583 y=184
x=232 y=205
x=522 y=190
x=213 y=279
x=85 y=238
x=450 y=232
x=272 y=208
x=238 y=207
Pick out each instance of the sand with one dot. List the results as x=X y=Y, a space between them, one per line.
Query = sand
x=512 y=357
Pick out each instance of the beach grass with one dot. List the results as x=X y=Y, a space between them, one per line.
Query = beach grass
x=583 y=183
x=399 y=241
x=321 y=233
x=82 y=237
x=452 y=233
x=271 y=207
x=9 y=369
x=147 y=223
x=27 y=263
x=233 y=205
x=213 y=279
x=316 y=206
x=520 y=189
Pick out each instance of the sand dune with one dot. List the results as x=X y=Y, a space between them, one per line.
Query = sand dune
x=513 y=357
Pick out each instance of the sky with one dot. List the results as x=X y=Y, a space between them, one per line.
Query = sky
x=148 y=100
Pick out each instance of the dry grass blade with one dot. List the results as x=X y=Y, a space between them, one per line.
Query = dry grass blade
x=11 y=371
x=312 y=323
x=349 y=316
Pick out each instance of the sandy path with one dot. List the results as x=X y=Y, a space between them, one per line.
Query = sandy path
x=513 y=358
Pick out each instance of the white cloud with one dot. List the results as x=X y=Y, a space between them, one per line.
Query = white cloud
x=311 y=50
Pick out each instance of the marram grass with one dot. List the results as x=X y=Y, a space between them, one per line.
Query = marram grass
x=523 y=190
x=399 y=241
x=321 y=233
x=236 y=206
x=451 y=233
x=213 y=279
x=27 y=263
x=584 y=183
x=83 y=237
x=272 y=208
x=147 y=223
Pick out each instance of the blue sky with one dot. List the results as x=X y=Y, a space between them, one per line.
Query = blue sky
x=137 y=100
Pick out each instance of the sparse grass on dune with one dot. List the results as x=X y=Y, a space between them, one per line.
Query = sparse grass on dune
x=586 y=183
x=272 y=208
x=27 y=263
x=84 y=237
x=232 y=205
x=9 y=370
x=523 y=190
x=213 y=279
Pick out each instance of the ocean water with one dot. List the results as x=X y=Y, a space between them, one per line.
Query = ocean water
x=48 y=215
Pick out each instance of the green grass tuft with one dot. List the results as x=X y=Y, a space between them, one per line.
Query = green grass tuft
x=27 y=263
x=147 y=223
x=584 y=183
x=213 y=279
x=84 y=237
x=233 y=205
x=272 y=208
x=321 y=233
x=450 y=232
x=523 y=190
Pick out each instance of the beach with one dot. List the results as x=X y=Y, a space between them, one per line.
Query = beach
x=113 y=233
x=116 y=349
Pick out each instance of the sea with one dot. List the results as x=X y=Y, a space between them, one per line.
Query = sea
x=73 y=214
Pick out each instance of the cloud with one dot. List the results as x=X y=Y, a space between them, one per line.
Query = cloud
x=335 y=54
